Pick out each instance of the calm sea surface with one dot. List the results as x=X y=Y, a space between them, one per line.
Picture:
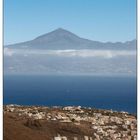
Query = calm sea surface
x=117 y=93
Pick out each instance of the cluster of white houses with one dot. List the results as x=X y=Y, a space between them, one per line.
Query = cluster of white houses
x=106 y=124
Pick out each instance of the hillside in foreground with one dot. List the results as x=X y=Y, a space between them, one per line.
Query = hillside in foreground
x=67 y=123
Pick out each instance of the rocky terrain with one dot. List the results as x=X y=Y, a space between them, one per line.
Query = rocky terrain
x=67 y=123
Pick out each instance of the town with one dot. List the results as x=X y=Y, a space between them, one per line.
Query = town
x=71 y=122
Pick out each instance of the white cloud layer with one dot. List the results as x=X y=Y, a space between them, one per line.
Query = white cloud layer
x=70 y=53
x=8 y=52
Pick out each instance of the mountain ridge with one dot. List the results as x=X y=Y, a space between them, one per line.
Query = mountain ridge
x=63 y=39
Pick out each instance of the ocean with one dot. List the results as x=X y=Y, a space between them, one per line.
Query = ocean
x=104 y=92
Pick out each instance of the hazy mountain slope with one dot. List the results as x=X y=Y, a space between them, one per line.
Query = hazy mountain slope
x=63 y=39
x=70 y=62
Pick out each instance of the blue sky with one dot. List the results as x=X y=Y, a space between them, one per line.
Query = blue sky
x=100 y=20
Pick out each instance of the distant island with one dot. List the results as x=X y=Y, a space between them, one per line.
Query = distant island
x=62 y=52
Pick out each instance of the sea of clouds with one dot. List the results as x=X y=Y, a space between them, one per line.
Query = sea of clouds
x=70 y=53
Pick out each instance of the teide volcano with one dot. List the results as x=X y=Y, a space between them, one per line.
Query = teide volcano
x=63 y=39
